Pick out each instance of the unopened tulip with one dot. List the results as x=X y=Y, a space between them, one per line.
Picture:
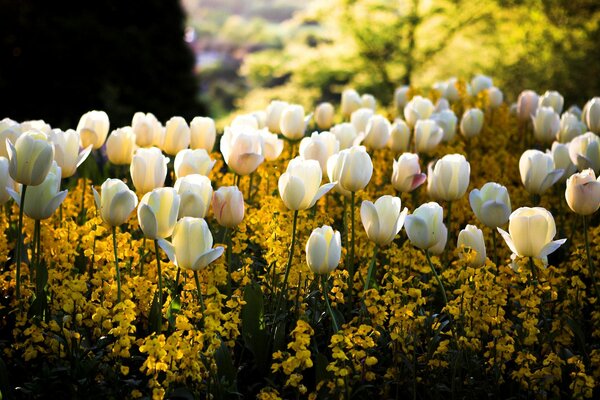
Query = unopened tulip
x=191 y=245
x=401 y=98
x=324 y=114
x=299 y=185
x=145 y=127
x=441 y=105
x=552 y=99
x=591 y=113
x=272 y=146
x=562 y=160
x=360 y=119
x=399 y=137
x=472 y=237
x=66 y=151
x=319 y=146
x=274 y=111
x=480 y=83
x=377 y=132
x=148 y=169
x=10 y=130
x=428 y=135
x=446 y=119
x=93 y=128
x=292 y=124
x=449 y=179
x=530 y=233
x=6 y=181
x=351 y=102
x=203 y=133
x=158 y=211
x=261 y=119
x=159 y=136
x=228 y=206
x=425 y=226
x=177 y=136
x=241 y=150
x=352 y=168
x=115 y=202
x=537 y=170
x=30 y=158
x=418 y=108
x=495 y=97
x=583 y=192
x=36 y=125
x=491 y=204
x=471 y=122
x=451 y=90
x=584 y=151
x=368 y=101
x=195 y=194
x=189 y=162
x=42 y=200
x=245 y=121
x=383 y=219
x=120 y=146
x=406 y=175
x=546 y=124
x=346 y=134
x=323 y=250
x=570 y=127
x=527 y=105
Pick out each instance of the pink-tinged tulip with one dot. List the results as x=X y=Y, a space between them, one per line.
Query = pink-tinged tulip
x=406 y=175
x=203 y=133
x=527 y=104
x=93 y=128
x=583 y=192
x=228 y=206
x=299 y=185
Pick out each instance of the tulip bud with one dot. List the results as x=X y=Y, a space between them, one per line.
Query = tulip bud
x=145 y=127
x=377 y=132
x=570 y=127
x=274 y=111
x=538 y=172
x=116 y=202
x=368 y=101
x=346 y=135
x=583 y=192
x=527 y=105
x=203 y=133
x=42 y=199
x=546 y=124
x=495 y=97
x=425 y=227
x=491 y=204
x=66 y=151
x=401 y=98
x=189 y=162
x=399 y=140
x=299 y=184
x=323 y=250
x=360 y=118
x=351 y=102
x=591 y=112
x=261 y=119
x=480 y=83
x=241 y=150
x=530 y=233
x=418 y=108
x=191 y=246
x=451 y=90
x=177 y=136
x=406 y=175
x=30 y=158
x=10 y=130
x=324 y=114
x=93 y=128
x=471 y=122
x=158 y=211
x=446 y=119
x=562 y=160
x=449 y=179
x=36 y=125
x=428 y=135
x=120 y=146
x=320 y=146
x=148 y=169
x=247 y=121
x=472 y=237
x=584 y=151
x=384 y=219
x=352 y=168
x=272 y=146
x=195 y=194
x=441 y=105
x=292 y=123
x=228 y=206
x=6 y=181
x=552 y=99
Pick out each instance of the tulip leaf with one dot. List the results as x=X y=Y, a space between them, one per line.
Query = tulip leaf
x=225 y=369
x=321 y=372
x=253 y=326
x=174 y=308
x=155 y=317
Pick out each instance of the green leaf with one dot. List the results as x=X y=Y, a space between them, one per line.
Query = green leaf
x=225 y=368
x=155 y=317
x=321 y=372
x=253 y=324
x=174 y=308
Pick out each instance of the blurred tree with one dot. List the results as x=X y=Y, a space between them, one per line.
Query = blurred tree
x=62 y=58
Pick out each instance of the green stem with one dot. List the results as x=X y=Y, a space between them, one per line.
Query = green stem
x=236 y=179
x=143 y=258
x=114 y=234
x=352 y=242
x=495 y=248
x=228 y=234
x=82 y=210
x=35 y=249
x=289 y=263
x=437 y=277
x=177 y=279
x=371 y=269
x=20 y=242
x=158 y=267
x=449 y=224
x=535 y=199
x=336 y=327
x=250 y=186
x=589 y=257
x=198 y=287
x=534 y=277
x=345 y=222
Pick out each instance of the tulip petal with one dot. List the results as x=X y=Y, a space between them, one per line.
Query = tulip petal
x=15 y=196
x=96 y=198
x=83 y=155
x=508 y=240
x=418 y=232
x=551 y=247
x=551 y=179
x=206 y=258
x=291 y=190
x=148 y=221
x=316 y=254
x=321 y=192
x=418 y=180
x=370 y=219
x=55 y=202
x=169 y=249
